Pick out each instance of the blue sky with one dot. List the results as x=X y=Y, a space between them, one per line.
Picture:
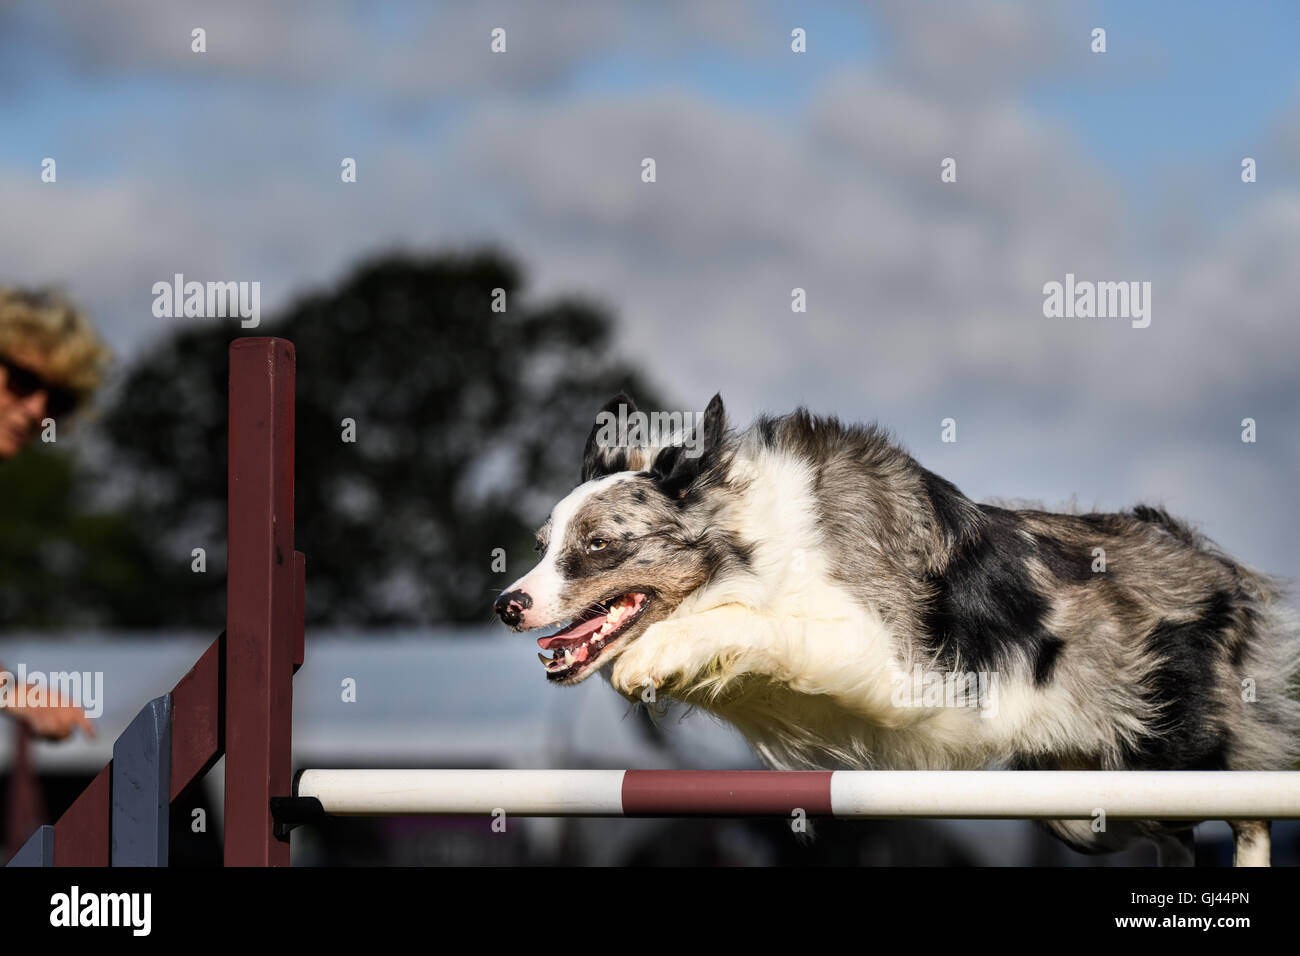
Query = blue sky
x=1181 y=79
x=1197 y=79
x=819 y=170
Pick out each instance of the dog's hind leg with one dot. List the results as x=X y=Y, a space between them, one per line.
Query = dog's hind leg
x=1176 y=849
x=1251 y=842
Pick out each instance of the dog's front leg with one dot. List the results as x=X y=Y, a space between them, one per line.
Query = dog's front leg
x=675 y=654
x=839 y=658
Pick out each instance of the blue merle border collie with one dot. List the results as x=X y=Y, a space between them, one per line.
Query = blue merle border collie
x=784 y=576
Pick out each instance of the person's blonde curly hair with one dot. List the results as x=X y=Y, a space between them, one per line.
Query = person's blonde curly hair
x=47 y=322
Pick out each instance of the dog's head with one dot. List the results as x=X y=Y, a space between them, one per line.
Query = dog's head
x=625 y=547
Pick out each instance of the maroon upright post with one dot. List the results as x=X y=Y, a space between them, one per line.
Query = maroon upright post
x=261 y=632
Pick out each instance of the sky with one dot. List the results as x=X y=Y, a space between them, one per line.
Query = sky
x=775 y=170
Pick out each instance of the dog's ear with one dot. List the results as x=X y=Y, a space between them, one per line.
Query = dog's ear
x=678 y=467
x=603 y=455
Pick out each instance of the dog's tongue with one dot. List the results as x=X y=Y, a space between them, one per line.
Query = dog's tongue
x=574 y=634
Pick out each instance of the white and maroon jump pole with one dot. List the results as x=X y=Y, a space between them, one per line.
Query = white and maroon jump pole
x=1020 y=794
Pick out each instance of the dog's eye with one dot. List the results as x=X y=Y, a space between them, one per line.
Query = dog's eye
x=597 y=544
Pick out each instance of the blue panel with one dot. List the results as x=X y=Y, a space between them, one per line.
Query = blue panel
x=142 y=759
x=38 y=850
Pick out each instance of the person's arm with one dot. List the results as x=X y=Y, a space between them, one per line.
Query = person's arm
x=54 y=720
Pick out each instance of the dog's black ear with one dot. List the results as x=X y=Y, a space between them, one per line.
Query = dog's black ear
x=678 y=467
x=603 y=455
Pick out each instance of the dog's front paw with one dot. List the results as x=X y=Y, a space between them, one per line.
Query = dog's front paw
x=628 y=677
x=653 y=660
x=632 y=673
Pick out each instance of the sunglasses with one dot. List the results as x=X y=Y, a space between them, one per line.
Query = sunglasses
x=23 y=382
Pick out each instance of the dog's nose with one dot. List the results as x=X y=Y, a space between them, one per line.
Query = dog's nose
x=510 y=607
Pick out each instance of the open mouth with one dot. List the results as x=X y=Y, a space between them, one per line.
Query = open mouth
x=579 y=645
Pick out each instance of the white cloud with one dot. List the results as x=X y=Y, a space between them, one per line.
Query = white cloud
x=925 y=298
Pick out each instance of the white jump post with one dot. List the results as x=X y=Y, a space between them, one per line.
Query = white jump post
x=1038 y=795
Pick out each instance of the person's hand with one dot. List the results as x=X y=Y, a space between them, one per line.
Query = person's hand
x=56 y=720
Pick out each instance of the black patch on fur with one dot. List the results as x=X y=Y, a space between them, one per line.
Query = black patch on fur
x=1162 y=519
x=619 y=519
x=580 y=564
x=818 y=437
x=1119 y=523
x=956 y=514
x=727 y=552
x=1188 y=734
x=1102 y=521
x=1069 y=565
x=1239 y=639
x=986 y=606
x=1216 y=758
x=674 y=471
x=1048 y=651
x=1217 y=613
x=598 y=461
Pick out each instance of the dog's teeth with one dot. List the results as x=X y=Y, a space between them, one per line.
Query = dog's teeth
x=568 y=656
x=543 y=658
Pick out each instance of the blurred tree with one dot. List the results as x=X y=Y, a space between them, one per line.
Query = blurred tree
x=62 y=564
x=469 y=423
